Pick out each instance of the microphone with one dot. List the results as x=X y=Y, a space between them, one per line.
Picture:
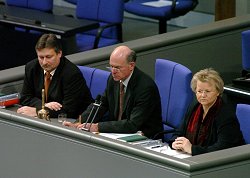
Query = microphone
x=96 y=107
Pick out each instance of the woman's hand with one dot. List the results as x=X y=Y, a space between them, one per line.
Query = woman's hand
x=182 y=144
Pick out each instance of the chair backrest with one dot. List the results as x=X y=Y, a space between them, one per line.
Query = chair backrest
x=87 y=73
x=103 y=11
x=96 y=79
x=184 y=6
x=71 y=1
x=164 y=13
x=243 y=115
x=99 y=82
x=246 y=50
x=100 y=10
x=44 y=5
x=173 y=81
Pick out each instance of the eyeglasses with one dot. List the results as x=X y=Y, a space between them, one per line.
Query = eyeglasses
x=117 y=69
x=206 y=92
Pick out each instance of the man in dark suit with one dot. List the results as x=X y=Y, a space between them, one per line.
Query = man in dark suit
x=141 y=107
x=67 y=91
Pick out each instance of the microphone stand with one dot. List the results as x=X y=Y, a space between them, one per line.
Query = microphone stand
x=96 y=107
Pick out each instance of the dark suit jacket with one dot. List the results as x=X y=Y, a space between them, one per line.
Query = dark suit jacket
x=142 y=106
x=225 y=130
x=67 y=87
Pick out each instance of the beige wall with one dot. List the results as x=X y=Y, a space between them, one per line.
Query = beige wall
x=206 y=6
x=242 y=7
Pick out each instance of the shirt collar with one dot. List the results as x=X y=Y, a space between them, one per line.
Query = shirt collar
x=125 y=82
x=51 y=73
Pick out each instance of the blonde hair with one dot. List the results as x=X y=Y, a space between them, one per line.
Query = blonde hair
x=208 y=75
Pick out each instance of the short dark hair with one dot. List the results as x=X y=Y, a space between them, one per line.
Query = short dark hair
x=132 y=56
x=49 y=41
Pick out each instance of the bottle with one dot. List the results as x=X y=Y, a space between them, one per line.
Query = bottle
x=8 y=100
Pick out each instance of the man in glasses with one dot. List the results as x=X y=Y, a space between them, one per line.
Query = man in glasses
x=131 y=99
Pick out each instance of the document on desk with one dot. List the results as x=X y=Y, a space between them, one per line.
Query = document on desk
x=124 y=137
x=159 y=146
x=139 y=140
x=160 y=3
x=168 y=151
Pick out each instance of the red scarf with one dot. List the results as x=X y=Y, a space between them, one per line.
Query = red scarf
x=198 y=129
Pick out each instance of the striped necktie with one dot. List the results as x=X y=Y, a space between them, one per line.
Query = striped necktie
x=47 y=81
x=121 y=100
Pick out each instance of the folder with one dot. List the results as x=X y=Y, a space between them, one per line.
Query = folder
x=132 y=138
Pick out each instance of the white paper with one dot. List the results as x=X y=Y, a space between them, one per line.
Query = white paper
x=160 y=3
x=168 y=151
x=154 y=145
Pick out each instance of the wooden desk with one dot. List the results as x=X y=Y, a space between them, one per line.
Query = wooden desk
x=224 y=9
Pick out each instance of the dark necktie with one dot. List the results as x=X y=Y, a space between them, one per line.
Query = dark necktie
x=46 y=84
x=121 y=100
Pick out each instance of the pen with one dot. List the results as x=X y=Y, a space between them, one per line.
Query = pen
x=157 y=146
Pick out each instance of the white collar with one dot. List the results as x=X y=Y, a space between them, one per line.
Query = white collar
x=51 y=73
x=125 y=82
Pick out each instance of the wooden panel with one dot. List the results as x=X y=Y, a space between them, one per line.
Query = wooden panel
x=224 y=9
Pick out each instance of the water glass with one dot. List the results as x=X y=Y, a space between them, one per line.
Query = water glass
x=62 y=117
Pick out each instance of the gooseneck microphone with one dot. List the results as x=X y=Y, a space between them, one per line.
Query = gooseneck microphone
x=94 y=110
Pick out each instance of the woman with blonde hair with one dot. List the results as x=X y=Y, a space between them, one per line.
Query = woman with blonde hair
x=210 y=123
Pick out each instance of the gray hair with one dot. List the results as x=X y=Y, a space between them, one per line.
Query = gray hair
x=132 y=56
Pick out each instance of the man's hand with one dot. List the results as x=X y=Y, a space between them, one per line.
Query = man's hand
x=90 y=127
x=53 y=106
x=27 y=110
x=70 y=124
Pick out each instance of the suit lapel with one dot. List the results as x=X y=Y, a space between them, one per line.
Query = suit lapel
x=57 y=75
x=116 y=97
x=130 y=88
x=40 y=80
x=126 y=99
x=52 y=85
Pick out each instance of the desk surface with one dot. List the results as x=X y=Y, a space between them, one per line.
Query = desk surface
x=238 y=89
x=237 y=93
x=53 y=148
x=42 y=21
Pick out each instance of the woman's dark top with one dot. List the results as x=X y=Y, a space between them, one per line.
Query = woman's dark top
x=223 y=132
